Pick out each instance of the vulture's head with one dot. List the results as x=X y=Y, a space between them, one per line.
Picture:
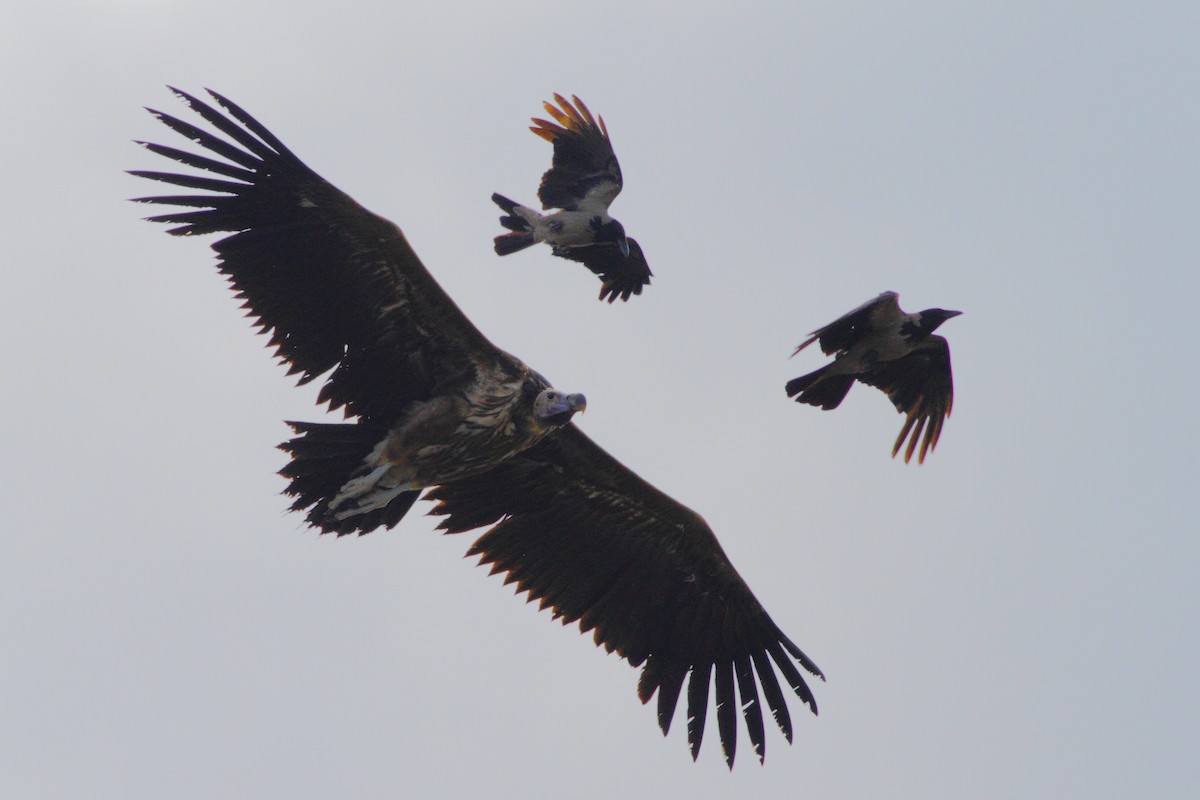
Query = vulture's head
x=553 y=409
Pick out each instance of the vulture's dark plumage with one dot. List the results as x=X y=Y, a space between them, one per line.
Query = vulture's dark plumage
x=432 y=405
x=583 y=180
x=880 y=345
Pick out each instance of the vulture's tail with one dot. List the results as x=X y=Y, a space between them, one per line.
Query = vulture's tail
x=325 y=458
x=515 y=221
x=820 y=389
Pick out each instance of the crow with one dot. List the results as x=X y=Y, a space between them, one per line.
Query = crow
x=880 y=345
x=583 y=180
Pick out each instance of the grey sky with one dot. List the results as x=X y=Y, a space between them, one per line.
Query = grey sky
x=1015 y=618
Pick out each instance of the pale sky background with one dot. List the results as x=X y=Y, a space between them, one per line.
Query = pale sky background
x=1016 y=618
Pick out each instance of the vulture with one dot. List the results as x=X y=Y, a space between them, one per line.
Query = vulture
x=430 y=405
x=583 y=180
x=898 y=353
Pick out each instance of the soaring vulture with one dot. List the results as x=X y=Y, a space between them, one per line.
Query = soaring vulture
x=880 y=345
x=583 y=180
x=432 y=405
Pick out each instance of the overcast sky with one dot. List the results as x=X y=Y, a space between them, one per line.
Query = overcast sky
x=1017 y=617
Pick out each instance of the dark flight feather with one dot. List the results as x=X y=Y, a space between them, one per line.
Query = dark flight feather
x=921 y=388
x=584 y=166
x=620 y=276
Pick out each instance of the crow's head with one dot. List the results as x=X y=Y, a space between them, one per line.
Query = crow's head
x=610 y=232
x=931 y=318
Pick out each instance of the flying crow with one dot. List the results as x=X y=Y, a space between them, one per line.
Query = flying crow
x=583 y=180
x=431 y=405
x=881 y=346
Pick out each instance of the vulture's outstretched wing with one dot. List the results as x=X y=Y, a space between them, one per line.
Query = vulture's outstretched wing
x=845 y=330
x=620 y=276
x=595 y=543
x=921 y=386
x=335 y=286
x=584 y=172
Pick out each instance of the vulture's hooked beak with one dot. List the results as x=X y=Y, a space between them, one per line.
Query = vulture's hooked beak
x=575 y=402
